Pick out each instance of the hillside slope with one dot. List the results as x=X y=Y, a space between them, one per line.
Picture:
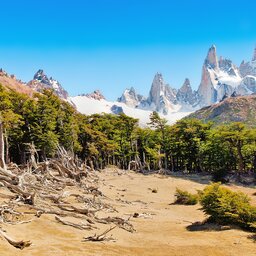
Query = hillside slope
x=234 y=109
x=10 y=82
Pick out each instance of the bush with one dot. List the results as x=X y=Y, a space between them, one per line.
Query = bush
x=227 y=207
x=184 y=197
x=220 y=174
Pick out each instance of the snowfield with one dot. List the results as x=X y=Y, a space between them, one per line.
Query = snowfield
x=91 y=106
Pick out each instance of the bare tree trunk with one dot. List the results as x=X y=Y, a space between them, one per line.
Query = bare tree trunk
x=2 y=160
x=7 y=157
x=240 y=161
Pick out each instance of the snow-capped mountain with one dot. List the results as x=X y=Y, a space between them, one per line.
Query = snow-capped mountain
x=41 y=81
x=163 y=98
x=221 y=78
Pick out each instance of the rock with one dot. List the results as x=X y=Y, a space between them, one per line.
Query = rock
x=185 y=95
x=206 y=91
x=211 y=60
x=117 y=110
x=131 y=98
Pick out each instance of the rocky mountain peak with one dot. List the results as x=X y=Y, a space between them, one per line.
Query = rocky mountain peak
x=157 y=88
x=42 y=77
x=186 y=86
x=39 y=74
x=131 y=98
x=162 y=97
x=185 y=95
x=158 y=78
x=211 y=59
x=41 y=81
x=97 y=95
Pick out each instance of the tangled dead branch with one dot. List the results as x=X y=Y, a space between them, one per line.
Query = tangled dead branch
x=48 y=188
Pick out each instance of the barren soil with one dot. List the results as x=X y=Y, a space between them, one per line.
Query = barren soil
x=160 y=227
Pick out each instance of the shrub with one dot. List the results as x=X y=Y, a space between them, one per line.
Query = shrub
x=220 y=175
x=184 y=197
x=227 y=207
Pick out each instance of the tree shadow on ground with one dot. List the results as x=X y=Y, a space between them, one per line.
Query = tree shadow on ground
x=208 y=226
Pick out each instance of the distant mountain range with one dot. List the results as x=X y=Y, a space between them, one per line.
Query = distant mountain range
x=220 y=79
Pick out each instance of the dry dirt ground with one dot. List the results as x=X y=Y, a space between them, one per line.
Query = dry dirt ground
x=160 y=227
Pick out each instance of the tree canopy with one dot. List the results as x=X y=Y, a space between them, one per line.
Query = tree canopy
x=48 y=122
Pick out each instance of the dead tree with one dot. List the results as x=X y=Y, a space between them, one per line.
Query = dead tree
x=2 y=158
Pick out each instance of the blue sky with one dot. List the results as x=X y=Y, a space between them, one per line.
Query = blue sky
x=114 y=44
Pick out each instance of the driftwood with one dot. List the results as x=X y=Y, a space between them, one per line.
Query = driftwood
x=101 y=237
x=17 y=244
x=122 y=223
x=81 y=226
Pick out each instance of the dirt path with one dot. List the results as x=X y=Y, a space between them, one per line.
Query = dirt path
x=161 y=229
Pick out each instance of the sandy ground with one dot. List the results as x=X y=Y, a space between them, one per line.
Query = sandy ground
x=160 y=231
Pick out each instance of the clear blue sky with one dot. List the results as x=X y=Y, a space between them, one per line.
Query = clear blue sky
x=114 y=44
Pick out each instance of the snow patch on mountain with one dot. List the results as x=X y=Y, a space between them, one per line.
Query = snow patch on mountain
x=89 y=106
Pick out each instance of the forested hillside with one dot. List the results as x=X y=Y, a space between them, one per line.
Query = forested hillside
x=46 y=122
x=233 y=109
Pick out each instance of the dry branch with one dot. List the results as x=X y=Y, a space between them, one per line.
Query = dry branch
x=122 y=223
x=101 y=237
x=81 y=226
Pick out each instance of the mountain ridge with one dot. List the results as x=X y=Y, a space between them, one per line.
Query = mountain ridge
x=220 y=79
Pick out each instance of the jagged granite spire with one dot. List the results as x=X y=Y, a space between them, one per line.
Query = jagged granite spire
x=186 y=95
x=156 y=89
x=211 y=59
x=186 y=86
